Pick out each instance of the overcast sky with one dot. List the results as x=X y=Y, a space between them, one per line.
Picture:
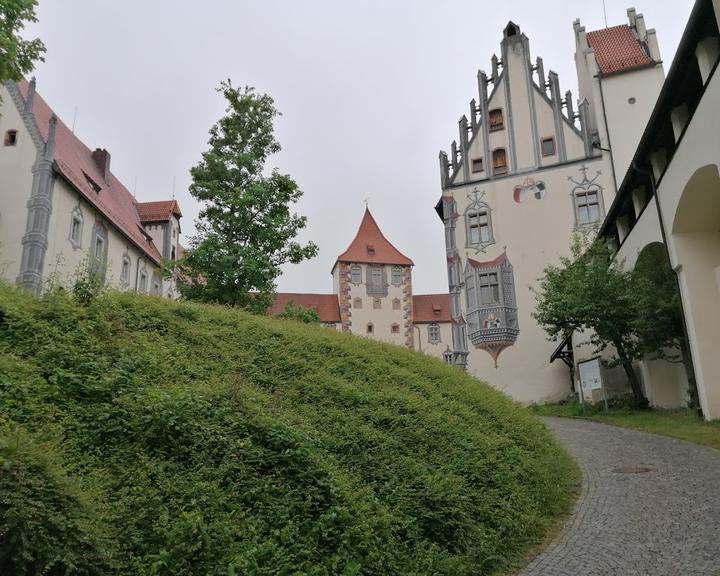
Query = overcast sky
x=370 y=91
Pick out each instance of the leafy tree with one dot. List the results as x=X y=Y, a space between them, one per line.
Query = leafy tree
x=299 y=314
x=17 y=56
x=591 y=291
x=246 y=230
x=658 y=321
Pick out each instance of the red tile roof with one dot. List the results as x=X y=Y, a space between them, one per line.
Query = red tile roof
x=74 y=161
x=617 y=49
x=371 y=247
x=158 y=211
x=326 y=305
x=431 y=308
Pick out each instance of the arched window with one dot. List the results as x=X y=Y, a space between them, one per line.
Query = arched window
x=499 y=162
x=396 y=304
x=377 y=304
x=125 y=270
x=357 y=303
x=433 y=333
x=496 y=120
x=370 y=328
x=76 y=226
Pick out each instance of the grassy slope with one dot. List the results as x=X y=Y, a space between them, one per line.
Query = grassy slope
x=681 y=424
x=141 y=436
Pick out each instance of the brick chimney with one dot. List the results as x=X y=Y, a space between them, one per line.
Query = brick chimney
x=102 y=159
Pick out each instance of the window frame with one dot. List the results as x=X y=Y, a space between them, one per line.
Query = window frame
x=395 y=328
x=357 y=303
x=497 y=126
x=377 y=303
x=433 y=333
x=489 y=286
x=581 y=200
x=76 y=225
x=355 y=274
x=125 y=268
x=142 y=282
x=550 y=139
x=11 y=137
x=397 y=276
x=500 y=170
x=370 y=328
x=477 y=162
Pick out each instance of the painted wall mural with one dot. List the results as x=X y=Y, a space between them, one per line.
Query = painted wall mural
x=527 y=188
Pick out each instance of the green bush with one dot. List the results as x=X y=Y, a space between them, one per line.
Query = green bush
x=170 y=438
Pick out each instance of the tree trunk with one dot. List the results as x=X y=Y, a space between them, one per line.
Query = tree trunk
x=631 y=376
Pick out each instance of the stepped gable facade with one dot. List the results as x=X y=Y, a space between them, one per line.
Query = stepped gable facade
x=373 y=296
x=531 y=166
x=63 y=209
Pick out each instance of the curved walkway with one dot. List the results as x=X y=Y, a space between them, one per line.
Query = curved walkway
x=650 y=505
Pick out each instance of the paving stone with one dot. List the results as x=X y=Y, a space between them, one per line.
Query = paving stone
x=649 y=506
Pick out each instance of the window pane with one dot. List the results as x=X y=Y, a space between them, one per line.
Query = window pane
x=474 y=234
x=485 y=233
x=594 y=213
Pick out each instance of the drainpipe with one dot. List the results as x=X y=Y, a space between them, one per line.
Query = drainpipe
x=686 y=339
x=419 y=340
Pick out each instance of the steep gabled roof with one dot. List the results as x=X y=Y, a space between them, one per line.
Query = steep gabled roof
x=371 y=247
x=74 y=161
x=431 y=308
x=326 y=305
x=159 y=211
x=617 y=49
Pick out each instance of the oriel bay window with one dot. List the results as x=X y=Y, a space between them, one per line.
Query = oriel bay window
x=490 y=299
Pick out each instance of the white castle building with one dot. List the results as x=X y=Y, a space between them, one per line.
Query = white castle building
x=529 y=168
x=373 y=297
x=61 y=208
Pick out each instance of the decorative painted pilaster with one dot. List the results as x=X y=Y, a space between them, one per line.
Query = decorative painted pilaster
x=408 y=308
x=35 y=239
x=344 y=296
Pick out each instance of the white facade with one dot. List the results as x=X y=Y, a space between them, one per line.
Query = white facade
x=62 y=211
x=525 y=174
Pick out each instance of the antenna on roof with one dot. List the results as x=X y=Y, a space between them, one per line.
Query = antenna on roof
x=173 y=190
x=74 y=119
x=366 y=200
x=605 y=13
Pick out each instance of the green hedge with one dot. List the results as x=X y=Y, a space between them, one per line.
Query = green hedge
x=143 y=436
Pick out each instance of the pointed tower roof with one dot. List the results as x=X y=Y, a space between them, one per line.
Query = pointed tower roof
x=371 y=247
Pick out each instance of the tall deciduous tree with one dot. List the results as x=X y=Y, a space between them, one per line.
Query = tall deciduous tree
x=246 y=230
x=17 y=55
x=591 y=291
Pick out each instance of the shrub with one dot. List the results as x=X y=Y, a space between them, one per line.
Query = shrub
x=167 y=438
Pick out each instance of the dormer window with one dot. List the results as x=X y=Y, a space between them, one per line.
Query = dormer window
x=371 y=250
x=11 y=137
x=496 y=120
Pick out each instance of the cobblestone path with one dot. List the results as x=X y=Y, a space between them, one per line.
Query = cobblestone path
x=650 y=505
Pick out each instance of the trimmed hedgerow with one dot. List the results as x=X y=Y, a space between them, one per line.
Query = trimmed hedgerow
x=143 y=436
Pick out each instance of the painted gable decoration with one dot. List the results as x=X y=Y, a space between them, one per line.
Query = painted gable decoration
x=492 y=320
x=528 y=187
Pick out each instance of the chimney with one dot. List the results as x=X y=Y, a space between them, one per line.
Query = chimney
x=102 y=159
